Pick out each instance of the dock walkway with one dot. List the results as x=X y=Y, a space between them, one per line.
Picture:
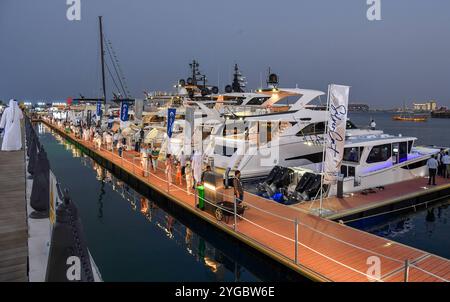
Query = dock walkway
x=320 y=249
x=13 y=218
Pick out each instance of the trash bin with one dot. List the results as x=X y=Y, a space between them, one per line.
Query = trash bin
x=201 y=197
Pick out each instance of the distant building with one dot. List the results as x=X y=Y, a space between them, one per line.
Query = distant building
x=358 y=107
x=428 y=106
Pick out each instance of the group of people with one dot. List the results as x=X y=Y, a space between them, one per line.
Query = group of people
x=177 y=168
x=183 y=167
x=193 y=174
x=438 y=164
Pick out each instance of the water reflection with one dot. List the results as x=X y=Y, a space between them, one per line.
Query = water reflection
x=426 y=229
x=199 y=249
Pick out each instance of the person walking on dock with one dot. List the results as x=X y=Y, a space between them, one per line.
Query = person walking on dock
x=183 y=163
x=144 y=160
x=178 y=174
x=237 y=185
x=432 y=164
x=188 y=175
x=446 y=165
x=119 y=148
x=155 y=155
x=10 y=123
x=208 y=169
x=169 y=168
x=197 y=167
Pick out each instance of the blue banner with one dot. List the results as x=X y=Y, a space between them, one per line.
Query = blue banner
x=99 y=109
x=124 y=111
x=170 y=120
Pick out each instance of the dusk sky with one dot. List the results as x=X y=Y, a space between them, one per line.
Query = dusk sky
x=402 y=58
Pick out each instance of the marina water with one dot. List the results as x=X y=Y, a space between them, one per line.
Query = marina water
x=426 y=229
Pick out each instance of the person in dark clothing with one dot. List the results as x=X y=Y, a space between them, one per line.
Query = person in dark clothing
x=208 y=169
x=238 y=190
x=432 y=164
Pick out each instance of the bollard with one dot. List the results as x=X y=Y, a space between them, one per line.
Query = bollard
x=39 y=199
x=68 y=242
x=406 y=274
x=296 y=240
x=32 y=159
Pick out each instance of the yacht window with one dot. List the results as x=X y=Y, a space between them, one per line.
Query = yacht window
x=344 y=170
x=238 y=101
x=379 y=153
x=351 y=171
x=410 y=145
x=257 y=101
x=347 y=171
x=312 y=129
x=415 y=165
x=264 y=132
x=403 y=152
x=224 y=150
x=353 y=154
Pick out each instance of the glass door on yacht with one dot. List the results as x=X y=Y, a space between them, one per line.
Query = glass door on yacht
x=399 y=152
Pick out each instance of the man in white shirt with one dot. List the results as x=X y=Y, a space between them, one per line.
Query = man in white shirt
x=446 y=163
x=432 y=164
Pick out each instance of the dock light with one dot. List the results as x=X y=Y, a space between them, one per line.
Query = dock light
x=209 y=186
x=387 y=244
x=274 y=90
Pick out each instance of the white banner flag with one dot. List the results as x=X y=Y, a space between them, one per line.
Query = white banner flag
x=335 y=137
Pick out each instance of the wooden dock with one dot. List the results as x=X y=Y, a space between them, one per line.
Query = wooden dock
x=322 y=250
x=13 y=218
x=396 y=197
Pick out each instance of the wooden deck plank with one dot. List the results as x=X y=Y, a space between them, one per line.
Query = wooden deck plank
x=13 y=225
x=334 y=251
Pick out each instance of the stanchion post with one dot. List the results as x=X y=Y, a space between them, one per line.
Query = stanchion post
x=235 y=213
x=406 y=275
x=195 y=194
x=167 y=180
x=296 y=239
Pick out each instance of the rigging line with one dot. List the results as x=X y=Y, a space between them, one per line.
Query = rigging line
x=116 y=72
x=121 y=74
x=115 y=68
x=112 y=77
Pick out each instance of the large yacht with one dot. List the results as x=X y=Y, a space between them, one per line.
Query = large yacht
x=369 y=162
x=294 y=137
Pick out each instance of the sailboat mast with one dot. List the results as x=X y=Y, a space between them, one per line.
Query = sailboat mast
x=102 y=56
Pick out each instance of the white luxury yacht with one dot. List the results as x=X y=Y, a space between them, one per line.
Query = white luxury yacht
x=294 y=137
x=369 y=162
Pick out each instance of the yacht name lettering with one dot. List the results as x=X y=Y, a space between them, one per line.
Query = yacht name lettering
x=336 y=115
